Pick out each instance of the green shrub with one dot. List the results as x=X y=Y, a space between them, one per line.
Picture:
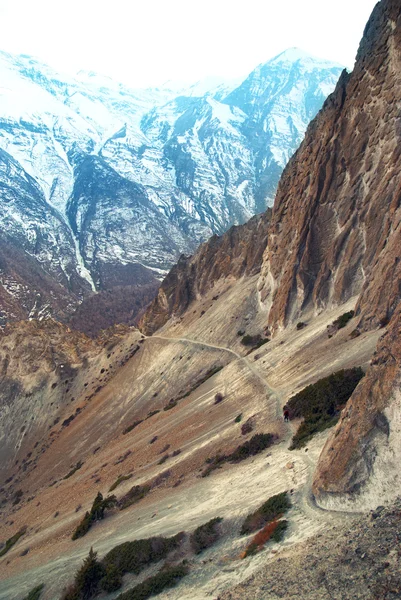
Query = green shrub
x=132 y=426
x=12 y=541
x=255 y=445
x=238 y=418
x=119 y=480
x=205 y=535
x=96 y=513
x=279 y=531
x=168 y=577
x=74 y=470
x=133 y=557
x=301 y=325
x=163 y=459
x=343 y=319
x=320 y=403
x=273 y=508
x=87 y=579
x=35 y=593
x=112 y=580
x=135 y=494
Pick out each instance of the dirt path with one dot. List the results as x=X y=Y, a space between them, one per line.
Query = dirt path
x=231 y=493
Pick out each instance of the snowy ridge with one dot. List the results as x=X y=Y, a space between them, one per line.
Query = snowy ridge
x=137 y=177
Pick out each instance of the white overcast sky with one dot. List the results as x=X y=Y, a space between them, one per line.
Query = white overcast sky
x=147 y=42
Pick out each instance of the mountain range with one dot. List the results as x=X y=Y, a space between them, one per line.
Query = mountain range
x=104 y=186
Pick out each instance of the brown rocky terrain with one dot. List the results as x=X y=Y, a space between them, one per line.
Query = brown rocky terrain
x=334 y=230
x=235 y=254
x=125 y=404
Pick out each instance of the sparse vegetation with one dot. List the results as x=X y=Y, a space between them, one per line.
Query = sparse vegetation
x=270 y=511
x=132 y=426
x=255 y=445
x=133 y=557
x=343 y=319
x=253 y=341
x=35 y=593
x=133 y=496
x=12 y=541
x=119 y=480
x=274 y=530
x=74 y=470
x=106 y=575
x=247 y=427
x=99 y=506
x=17 y=497
x=163 y=459
x=205 y=535
x=170 y=405
x=168 y=577
x=320 y=403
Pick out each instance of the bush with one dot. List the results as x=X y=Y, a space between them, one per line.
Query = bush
x=87 y=579
x=320 y=403
x=135 y=494
x=271 y=510
x=301 y=325
x=96 y=513
x=119 y=480
x=218 y=398
x=132 y=426
x=343 y=319
x=35 y=593
x=12 y=541
x=247 y=427
x=274 y=530
x=135 y=556
x=255 y=445
x=112 y=579
x=238 y=418
x=205 y=535
x=168 y=577
x=74 y=470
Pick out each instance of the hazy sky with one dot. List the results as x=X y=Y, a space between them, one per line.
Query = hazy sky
x=150 y=41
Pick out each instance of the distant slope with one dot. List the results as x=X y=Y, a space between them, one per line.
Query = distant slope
x=130 y=179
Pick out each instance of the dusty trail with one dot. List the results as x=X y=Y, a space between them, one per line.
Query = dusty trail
x=197 y=501
x=307 y=499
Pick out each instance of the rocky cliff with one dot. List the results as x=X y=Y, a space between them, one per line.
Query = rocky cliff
x=236 y=253
x=334 y=235
x=334 y=228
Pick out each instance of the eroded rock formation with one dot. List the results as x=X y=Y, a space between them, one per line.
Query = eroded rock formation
x=238 y=252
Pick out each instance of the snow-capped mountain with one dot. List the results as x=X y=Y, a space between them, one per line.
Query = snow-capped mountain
x=119 y=181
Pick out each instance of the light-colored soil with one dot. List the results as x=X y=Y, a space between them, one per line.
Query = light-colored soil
x=257 y=385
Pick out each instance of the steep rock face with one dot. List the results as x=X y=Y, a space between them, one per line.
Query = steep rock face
x=359 y=466
x=334 y=229
x=236 y=253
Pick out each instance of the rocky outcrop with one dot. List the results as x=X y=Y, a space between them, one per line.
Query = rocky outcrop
x=236 y=253
x=334 y=231
x=359 y=465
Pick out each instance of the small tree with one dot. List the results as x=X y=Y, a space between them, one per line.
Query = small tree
x=89 y=575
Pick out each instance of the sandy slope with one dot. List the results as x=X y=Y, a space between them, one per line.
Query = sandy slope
x=257 y=385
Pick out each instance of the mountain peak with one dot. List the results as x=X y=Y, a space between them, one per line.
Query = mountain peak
x=294 y=54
